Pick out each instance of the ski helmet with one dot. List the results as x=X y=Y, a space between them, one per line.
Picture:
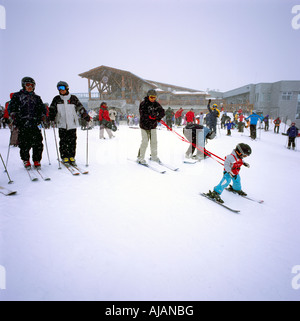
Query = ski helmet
x=243 y=150
x=27 y=80
x=151 y=92
x=62 y=83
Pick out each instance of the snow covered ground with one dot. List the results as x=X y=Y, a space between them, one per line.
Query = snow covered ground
x=124 y=232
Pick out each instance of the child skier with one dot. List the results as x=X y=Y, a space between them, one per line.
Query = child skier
x=232 y=167
x=292 y=132
x=230 y=125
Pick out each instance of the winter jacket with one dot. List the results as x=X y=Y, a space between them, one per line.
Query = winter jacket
x=230 y=125
x=150 y=114
x=65 y=110
x=214 y=114
x=169 y=113
x=103 y=113
x=179 y=113
x=277 y=121
x=293 y=131
x=233 y=163
x=190 y=117
x=27 y=109
x=254 y=118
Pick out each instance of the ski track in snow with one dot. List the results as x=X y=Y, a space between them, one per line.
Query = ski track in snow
x=124 y=232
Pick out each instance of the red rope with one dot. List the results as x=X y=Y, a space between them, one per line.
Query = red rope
x=203 y=150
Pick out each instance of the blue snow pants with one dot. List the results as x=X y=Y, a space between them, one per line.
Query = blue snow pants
x=225 y=181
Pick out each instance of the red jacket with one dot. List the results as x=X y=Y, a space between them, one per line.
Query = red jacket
x=190 y=117
x=178 y=113
x=103 y=113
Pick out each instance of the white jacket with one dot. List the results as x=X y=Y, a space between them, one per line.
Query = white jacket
x=67 y=117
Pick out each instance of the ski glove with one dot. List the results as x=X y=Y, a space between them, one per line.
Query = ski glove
x=246 y=164
x=231 y=174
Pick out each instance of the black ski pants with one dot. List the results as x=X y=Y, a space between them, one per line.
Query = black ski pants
x=253 y=131
x=67 y=142
x=31 y=138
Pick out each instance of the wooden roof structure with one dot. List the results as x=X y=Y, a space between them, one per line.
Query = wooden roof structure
x=112 y=83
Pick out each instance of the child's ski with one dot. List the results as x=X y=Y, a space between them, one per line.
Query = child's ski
x=227 y=207
x=247 y=197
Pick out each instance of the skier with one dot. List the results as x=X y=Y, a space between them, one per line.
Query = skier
x=254 y=118
x=105 y=121
x=151 y=112
x=277 y=123
x=232 y=165
x=214 y=114
x=266 y=121
x=63 y=110
x=229 y=125
x=190 y=117
x=169 y=117
x=178 y=116
x=292 y=132
x=28 y=111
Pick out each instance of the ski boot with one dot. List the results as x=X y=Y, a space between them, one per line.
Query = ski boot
x=27 y=164
x=242 y=193
x=66 y=160
x=72 y=161
x=215 y=195
x=37 y=164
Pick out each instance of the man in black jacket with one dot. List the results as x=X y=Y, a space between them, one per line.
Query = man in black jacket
x=151 y=112
x=27 y=110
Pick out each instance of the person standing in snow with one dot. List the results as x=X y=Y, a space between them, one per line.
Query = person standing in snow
x=292 y=132
x=254 y=118
x=277 y=123
x=105 y=121
x=169 y=117
x=232 y=166
x=229 y=125
x=214 y=113
x=151 y=112
x=28 y=111
x=64 y=110
x=266 y=121
x=190 y=117
x=178 y=116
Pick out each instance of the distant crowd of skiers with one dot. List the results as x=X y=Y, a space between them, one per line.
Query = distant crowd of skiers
x=25 y=112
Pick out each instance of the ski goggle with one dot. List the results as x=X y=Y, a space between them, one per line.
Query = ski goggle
x=61 y=87
x=29 y=84
x=152 y=97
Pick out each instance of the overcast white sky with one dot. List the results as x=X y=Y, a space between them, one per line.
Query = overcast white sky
x=200 y=44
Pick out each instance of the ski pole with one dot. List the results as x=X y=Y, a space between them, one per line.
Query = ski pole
x=10 y=181
x=59 y=167
x=87 y=148
x=8 y=152
x=46 y=143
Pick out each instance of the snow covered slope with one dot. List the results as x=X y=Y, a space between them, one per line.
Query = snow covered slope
x=124 y=232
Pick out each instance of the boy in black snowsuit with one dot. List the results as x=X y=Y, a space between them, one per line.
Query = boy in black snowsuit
x=292 y=132
x=27 y=110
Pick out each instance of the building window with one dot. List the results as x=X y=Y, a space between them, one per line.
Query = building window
x=286 y=95
x=298 y=108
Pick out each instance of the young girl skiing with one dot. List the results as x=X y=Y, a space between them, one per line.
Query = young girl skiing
x=232 y=166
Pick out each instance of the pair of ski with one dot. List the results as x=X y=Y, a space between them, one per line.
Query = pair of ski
x=74 y=169
x=35 y=173
x=227 y=207
x=157 y=169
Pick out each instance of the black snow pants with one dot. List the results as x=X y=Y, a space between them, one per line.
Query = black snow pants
x=31 y=138
x=67 y=142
